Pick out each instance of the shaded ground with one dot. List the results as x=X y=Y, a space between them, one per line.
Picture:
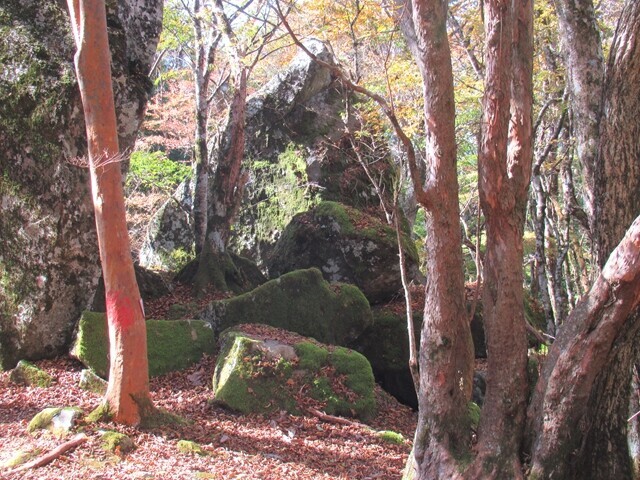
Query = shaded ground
x=274 y=447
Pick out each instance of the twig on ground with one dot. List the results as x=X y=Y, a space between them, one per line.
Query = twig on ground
x=51 y=455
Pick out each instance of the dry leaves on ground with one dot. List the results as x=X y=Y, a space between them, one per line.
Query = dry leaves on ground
x=280 y=446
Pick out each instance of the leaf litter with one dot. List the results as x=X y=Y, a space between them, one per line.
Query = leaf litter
x=252 y=447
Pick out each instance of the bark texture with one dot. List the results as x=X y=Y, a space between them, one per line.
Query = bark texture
x=605 y=451
x=446 y=349
x=49 y=264
x=558 y=407
x=128 y=390
x=584 y=63
x=505 y=168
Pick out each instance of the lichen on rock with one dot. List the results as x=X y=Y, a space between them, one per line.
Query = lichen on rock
x=26 y=373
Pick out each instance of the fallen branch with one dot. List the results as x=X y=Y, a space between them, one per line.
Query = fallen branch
x=50 y=456
x=332 y=418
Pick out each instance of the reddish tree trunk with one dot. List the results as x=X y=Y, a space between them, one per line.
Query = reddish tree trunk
x=504 y=181
x=127 y=395
x=557 y=411
x=446 y=350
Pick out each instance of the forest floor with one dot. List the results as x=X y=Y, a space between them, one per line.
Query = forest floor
x=267 y=447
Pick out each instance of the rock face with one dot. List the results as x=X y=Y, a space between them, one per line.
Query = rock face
x=301 y=302
x=295 y=156
x=48 y=257
x=263 y=372
x=171 y=344
x=347 y=245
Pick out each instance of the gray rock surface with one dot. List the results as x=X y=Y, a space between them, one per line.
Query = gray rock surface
x=49 y=262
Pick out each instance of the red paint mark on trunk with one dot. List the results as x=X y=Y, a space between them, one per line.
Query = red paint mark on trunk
x=121 y=309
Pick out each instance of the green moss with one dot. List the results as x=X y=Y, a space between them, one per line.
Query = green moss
x=374 y=229
x=116 y=442
x=91 y=382
x=101 y=413
x=189 y=447
x=27 y=373
x=240 y=381
x=171 y=345
x=50 y=419
x=391 y=437
x=312 y=356
x=20 y=458
x=176 y=345
x=285 y=191
x=301 y=302
x=474 y=412
x=43 y=419
x=248 y=381
x=92 y=345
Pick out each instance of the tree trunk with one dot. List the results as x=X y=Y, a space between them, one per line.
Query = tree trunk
x=584 y=63
x=446 y=350
x=557 y=412
x=504 y=182
x=200 y=151
x=127 y=394
x=617 y=190
x=215 y=267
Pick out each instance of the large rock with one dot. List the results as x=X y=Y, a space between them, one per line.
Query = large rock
x=264 y=369
x=171 y=344
x=296 y=155
x=49 y=257
x=386 y=345
x=301 y=302
x=347 y=245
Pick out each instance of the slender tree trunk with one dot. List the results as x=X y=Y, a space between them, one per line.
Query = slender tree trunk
x=584 y=62
x=127 y=394
x=504 y=182
x=446 y=350
x=215 y=267
x=201 y=151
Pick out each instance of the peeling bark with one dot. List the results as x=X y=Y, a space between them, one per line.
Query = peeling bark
x=505 y=161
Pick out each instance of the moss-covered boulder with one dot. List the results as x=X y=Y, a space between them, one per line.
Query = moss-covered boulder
x=58 y=421
x=386 y=345
x=301 y=302
x=171 y=345
x=347 y=245
x=91 y=382
x=26 y=373
x=263 y=369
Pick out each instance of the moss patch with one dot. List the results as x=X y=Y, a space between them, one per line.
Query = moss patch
x=189 y=447
x=116 y=442
x=301 y=302
x=20 y=458
x=171 y=345
x=59 y=421
x=391 y=437
x=27 y=373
